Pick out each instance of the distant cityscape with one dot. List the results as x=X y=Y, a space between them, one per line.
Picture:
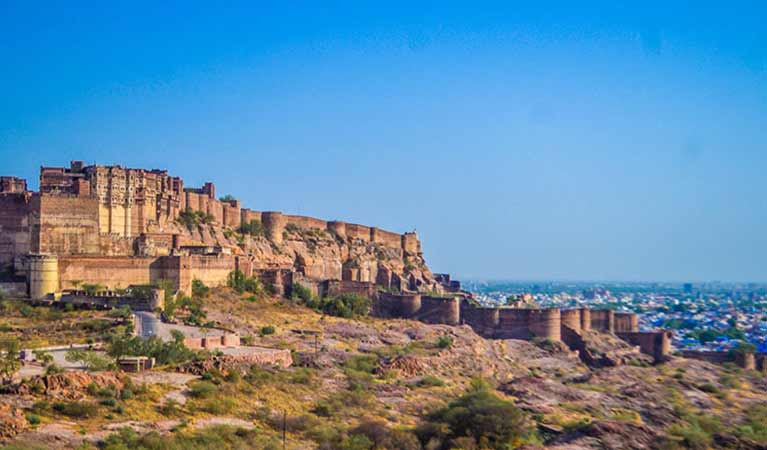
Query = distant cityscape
x=702 y=316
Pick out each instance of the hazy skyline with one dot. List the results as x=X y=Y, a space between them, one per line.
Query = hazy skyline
x=561 y=142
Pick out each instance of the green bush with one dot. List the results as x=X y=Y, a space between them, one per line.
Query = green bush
x=174 y=352
x=43 y=357
x=755 y=426
x=241 y=283
x=304 y=295
x=193 y=219
x=124 y=312
x=33 y=419
x=203 y=389
x=444 y=342
x=90 y=359
x=479 y=418
x=267 y=330
x=217 y=437
x=302 y=375
x=199 y=290
x=79 y=410
x=709 y=388
x=362 y=363
x=430 y=380
x=219 y=405
x=92 y=289
x=346 y=305
x=27 y=311
x=384 y=437
x=253 y=228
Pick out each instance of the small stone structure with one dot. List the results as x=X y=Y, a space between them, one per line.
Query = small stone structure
x=135 y=363
x=227 y=340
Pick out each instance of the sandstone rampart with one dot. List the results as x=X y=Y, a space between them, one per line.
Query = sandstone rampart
x=654 y=343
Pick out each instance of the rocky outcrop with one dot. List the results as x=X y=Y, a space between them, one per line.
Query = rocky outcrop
x=239 y=363
x=12 y=421
x=69 y=385
x=610 y=435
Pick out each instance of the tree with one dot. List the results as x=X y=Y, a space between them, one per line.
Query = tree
x=228 y=198
x=174 y=352
x=199 y=290
x=92 y=289
x=253 y=228
x=346 y=305
x=10 y=362
x=43 y=357
x=92 y=360
x=478 y=419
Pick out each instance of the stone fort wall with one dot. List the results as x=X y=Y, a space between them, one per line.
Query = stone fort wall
x=120 y=272
x=276 y=223
x=655 y=343
x=15 y=225
x=518 y=323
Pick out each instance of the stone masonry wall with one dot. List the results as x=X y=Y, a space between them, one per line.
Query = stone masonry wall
x=15 y=232
x=655 y=343
x=626 y=322
x=65 y=225
x=603 y=320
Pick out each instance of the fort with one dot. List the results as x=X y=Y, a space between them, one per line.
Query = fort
x=111 y=228
x=115 y=227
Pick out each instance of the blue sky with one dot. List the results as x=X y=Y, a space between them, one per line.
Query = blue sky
x=598 y=142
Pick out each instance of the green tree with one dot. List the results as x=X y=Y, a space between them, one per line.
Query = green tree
x=479 y=418
x=199 y=289
x=43 y=357
x=92 y=360
x=253 y=228
x=92 y=289
x=346 y=305
x=10 y=361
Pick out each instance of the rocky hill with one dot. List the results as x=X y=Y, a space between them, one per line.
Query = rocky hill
x=367 y=383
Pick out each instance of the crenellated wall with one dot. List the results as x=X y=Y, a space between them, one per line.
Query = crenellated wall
x=307 y=223
x=439 y=310
x=572 y=318
x=385 y=238
x=397 y=305
x=654 y=343
x=585 y=319
x=339 y=287
x=520 y=323
x=529 y=323
x=603 y=320
x=411 y=244
x=484 y=321
x=232 y=214
x=746 y=360
x=625 y=322
x=274 y=225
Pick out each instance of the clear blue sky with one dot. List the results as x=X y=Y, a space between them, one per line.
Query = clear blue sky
x=605 y=142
